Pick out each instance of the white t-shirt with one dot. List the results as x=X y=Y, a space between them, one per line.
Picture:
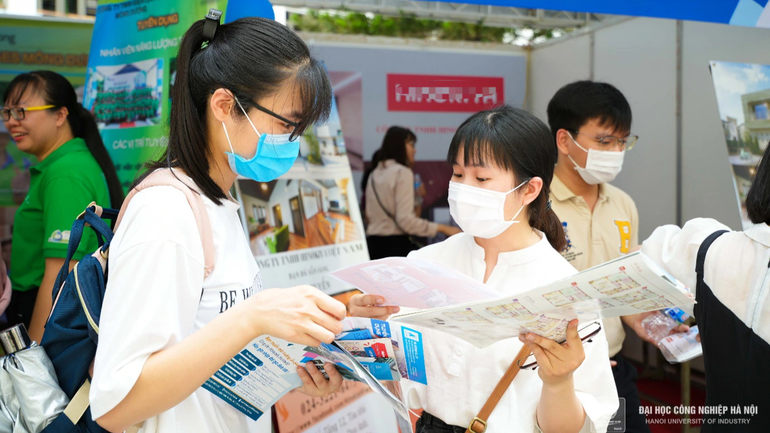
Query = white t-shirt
x=461 y=376
x=156 y=296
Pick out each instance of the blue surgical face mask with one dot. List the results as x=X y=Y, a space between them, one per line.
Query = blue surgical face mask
x=274 y=157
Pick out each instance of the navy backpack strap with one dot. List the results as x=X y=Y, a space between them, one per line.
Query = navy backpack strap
x=92 y=216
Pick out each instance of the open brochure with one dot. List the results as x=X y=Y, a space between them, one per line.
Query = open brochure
x=265 y=370
x=628 y=285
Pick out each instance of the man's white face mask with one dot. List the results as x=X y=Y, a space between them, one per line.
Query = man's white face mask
x=602 y=166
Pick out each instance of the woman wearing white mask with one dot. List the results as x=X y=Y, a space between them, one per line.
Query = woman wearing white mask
x=244 y=92
x=503 y=162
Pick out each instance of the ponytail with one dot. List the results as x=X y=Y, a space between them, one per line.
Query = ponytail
x=543 y=218
x=188 y=144
x=89 y=132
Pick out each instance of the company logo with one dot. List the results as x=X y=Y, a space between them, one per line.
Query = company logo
x=443 y=93
x=59 y=237
x=412 y=335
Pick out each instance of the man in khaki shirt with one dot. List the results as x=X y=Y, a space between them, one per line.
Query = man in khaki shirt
x=592 y=124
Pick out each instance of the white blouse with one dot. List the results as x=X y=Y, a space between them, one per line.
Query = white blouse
x=461 y=376
x=736 y=267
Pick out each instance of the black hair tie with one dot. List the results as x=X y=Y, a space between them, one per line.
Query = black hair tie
x=211 y=24
x=548 y=205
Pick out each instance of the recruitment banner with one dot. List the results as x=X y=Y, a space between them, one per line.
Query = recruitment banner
x=29 y=44
x=131 y=71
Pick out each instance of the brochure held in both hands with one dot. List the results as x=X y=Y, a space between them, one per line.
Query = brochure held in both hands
x=456 y=304
x=367 y=351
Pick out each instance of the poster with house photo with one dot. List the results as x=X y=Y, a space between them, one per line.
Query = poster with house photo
x=743 y=96
x=307 y=223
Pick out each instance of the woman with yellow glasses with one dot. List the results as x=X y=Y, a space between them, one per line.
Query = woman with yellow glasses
x=44 y=118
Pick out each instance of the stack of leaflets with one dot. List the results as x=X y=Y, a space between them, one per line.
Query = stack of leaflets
x=468 y=309
x=387 y=355
x=366 y=351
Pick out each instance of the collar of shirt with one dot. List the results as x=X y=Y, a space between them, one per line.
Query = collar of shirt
x=77 y=144
x=759 y=233
x=512 y=258
x=562 y=193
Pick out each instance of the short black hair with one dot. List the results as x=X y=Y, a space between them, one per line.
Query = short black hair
x=758 y=198
x=577 y=103
x=516 y=141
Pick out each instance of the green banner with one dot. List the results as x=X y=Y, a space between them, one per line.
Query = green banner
x=131 y=71
x=29 y=45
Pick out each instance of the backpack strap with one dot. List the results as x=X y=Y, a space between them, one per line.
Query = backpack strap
x=166 y=177
x=703 y=250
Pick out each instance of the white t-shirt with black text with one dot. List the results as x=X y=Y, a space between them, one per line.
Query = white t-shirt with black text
x=156 y=296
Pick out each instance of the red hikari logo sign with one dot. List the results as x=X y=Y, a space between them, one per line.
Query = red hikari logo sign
x=443 y=93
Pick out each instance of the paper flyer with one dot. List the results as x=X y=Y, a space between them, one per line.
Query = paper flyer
x=265 y=370
x=414 y=283
x=629 y=285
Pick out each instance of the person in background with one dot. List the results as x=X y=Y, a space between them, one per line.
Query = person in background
x=390 y=203
x=730 y=273
x=41 y=111
x=503 y=162
x=591 y=123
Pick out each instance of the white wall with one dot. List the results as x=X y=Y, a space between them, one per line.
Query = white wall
x=554 y=66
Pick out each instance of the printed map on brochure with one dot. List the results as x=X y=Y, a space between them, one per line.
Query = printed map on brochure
x=265 y=370
x=628 y=285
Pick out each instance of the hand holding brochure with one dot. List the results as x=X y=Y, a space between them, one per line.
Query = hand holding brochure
x=265 y=370
x=628 y=285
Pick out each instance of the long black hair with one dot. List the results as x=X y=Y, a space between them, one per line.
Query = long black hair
x=57 y=91
x=516 y=141
x=250 y=57
x=393 y=147
x=758 y=198
x=394 y=144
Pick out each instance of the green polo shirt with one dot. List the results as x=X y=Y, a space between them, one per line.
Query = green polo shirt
x=61 y=186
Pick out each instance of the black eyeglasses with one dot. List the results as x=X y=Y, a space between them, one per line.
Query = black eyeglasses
x=19 y=113
x=288 y=122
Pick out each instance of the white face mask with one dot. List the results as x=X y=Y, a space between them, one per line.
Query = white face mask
x=601 y=166
x=478 y=211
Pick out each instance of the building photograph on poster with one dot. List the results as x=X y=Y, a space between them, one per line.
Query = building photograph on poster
x=322 y=147
x=126 y=96
x=743 y=96
x=296 y=214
